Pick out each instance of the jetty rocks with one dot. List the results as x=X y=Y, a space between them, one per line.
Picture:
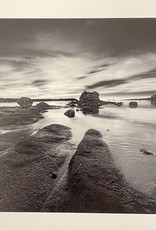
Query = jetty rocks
x=93 y=183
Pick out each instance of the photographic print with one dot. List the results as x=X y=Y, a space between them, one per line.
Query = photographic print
x=77 y=115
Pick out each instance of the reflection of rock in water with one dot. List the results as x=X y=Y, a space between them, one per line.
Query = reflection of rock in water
x=90 y=109
x=89 y=102
x=153 y=100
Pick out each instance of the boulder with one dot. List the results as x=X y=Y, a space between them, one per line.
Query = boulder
x=89 y=102
x=93 y=183
x=89 y=97
x=133 y=104
x=153 y=99
x=43 y=105
x=70 y=113
x=25 y=102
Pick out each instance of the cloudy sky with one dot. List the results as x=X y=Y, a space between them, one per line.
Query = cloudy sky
x=53 y=58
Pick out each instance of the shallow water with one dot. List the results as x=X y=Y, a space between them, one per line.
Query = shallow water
x=126 y=131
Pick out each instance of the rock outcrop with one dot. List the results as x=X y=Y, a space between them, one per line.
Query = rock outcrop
x=28 y=171
x=89 y=102
x=89 y=97
x=133 y=104
x=43 y=105
x=70 y=113
x=93 y=183
x=25 y=102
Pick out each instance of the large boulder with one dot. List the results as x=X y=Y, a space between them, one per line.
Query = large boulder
x=153 y=99
x=89 y=102
x=25 y=102
x=133 y=104
x=70 y=113
x=89 y=97
x=93 y=183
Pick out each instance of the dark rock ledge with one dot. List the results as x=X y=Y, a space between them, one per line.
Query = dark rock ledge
x=94 y=184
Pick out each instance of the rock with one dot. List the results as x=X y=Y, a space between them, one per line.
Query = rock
x=25 y=183
x=89 y=97
x=70 y=113
x=43 y=105
x=146 y=152
x=133 y=104
x=89 y=102
x=72 y=103
x=93 y=183
x=153 y=99
x=25 y=102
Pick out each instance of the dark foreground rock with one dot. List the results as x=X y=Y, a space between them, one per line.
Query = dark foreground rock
x=133 y=104
x=94 y=184
x=70 y=113
x=25 y=102
x=29 y=170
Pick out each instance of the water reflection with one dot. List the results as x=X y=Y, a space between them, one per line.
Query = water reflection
x=129 y=131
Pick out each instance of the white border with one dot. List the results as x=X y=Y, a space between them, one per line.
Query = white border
x=76 y=9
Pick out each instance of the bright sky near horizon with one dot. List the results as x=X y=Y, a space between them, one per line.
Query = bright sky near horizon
x=56 y=58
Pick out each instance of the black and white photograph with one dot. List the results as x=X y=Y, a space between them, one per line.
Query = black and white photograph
x=77 y=115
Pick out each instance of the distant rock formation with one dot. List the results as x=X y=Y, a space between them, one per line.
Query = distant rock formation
x=43 y=105
x=133 y=104
x=89 y=102
x=70 y=113
x=93 y=183
x=25 y=102
x=153 y=99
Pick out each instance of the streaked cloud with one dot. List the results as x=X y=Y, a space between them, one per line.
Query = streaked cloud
x=57 y=58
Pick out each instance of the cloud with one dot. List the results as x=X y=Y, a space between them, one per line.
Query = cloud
x=39 y=82
x=110 y=83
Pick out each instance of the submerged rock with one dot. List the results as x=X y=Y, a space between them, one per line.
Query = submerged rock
x=93 y=183
x=70 y=113
x=133 y=104
x=25 y=102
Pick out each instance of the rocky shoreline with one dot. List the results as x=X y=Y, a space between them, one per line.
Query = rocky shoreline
x=44 y=172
